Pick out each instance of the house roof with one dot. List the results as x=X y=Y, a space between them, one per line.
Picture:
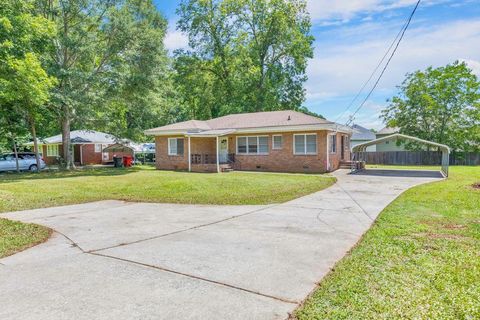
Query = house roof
x=362 y=133
x=81 y=137
x=388 y=130
x=272 y=120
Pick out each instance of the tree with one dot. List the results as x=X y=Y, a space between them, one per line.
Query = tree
x=246 y=55
x=103 y=58
x=24 y=84
x=441 y=105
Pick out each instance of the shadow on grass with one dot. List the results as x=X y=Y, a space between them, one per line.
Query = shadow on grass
x=93 y=172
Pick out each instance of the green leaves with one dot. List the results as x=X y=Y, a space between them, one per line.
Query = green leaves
x=246 y=55
x=441 y=105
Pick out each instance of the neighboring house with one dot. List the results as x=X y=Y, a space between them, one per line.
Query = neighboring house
x=283 y=141
x=87 y=146
x=390 y=145
x=362 y=135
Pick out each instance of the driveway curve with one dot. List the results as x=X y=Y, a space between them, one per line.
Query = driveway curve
x=120 y=260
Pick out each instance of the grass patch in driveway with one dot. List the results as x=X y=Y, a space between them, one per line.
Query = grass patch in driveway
x=18 y=236
x=47 y=189
x=421 y=259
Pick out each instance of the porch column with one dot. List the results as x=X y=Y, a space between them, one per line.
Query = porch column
x=189 y=156
x=218 y=160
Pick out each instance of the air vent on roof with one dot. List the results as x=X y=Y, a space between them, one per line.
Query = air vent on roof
x=289 y=118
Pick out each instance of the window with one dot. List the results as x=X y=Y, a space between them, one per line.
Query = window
x=242 y=145
x=332 y=143
x=175 y=146
x=52 y=150
x=98 y=147
x=277 y=142
x=304 y=143
x=252 y=145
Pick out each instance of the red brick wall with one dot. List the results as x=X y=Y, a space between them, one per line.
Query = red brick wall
x=164 y=161
x=282 y=160
x=335 y=158
x=89 y=156
x=51 y=160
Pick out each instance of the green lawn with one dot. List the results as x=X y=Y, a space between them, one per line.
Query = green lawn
x=47 y=189
x=421 y=259
x=17 y=236
x=27 y=191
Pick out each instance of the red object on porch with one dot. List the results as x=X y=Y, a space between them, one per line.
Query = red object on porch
x=127 y=161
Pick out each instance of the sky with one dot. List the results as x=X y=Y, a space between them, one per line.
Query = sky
x=351 y=36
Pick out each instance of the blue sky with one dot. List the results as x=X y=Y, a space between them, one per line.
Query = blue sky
x=351 y=36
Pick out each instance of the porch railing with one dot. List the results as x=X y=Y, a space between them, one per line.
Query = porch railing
x=205 y=158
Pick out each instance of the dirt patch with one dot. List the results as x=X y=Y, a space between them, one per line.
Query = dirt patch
x=476 y=185
x=454 y=226
x=432 y=235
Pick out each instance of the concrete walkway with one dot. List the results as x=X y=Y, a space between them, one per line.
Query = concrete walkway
x=119 y=260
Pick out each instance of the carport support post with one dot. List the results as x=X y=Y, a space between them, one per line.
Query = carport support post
x=189 y=156
x=218 y=160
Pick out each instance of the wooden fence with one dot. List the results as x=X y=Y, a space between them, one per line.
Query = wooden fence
x=417 y=158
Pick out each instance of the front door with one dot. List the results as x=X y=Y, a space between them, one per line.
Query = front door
x=342 y=150
x=223 y=150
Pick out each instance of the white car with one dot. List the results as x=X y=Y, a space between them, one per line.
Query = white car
x=26 y=161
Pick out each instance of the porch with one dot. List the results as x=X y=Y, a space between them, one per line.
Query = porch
x=208 y=151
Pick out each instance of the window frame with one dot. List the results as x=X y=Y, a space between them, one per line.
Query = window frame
x=273 y=142
x=248 y=153
x=169 y=151
x=54 y=154
x=330 y=144
x=98 y=148
x=306 y=153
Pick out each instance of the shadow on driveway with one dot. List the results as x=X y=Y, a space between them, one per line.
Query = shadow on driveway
x=400 y=173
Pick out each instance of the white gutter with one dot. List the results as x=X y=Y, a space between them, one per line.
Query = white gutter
x=314 y=127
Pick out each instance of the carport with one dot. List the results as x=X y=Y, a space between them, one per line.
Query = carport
x=361 y=148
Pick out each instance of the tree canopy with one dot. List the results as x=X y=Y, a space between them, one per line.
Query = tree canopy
x=439 y=104
x=102 y=65
x=245 y=55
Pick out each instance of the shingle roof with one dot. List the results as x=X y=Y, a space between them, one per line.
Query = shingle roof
x=388 y=130
x=83 y=136
x=362 y=133
x=245 y=121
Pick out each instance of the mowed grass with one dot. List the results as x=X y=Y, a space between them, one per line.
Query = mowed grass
x=420 y=260
x=18 y=236
x=27 y=191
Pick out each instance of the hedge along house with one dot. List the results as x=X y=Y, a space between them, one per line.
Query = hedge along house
x=87 y=147
x=281 y=141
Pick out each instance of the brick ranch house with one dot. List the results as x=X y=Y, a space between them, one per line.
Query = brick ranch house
x=87 y=146
x=281 y=141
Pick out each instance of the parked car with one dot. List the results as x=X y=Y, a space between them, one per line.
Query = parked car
x=26 y=161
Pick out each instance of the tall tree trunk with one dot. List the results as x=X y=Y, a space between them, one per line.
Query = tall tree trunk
x=35 y=142
x=67 y=155
x=15 y=151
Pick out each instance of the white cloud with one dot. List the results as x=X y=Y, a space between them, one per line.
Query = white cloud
x=344 y=10
x=473 y=64
x=342 y=67
x=175 y=39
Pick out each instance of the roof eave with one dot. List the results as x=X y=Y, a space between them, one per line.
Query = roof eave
x=292 y=128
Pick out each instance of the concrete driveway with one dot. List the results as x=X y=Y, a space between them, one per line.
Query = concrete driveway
x=120 y=260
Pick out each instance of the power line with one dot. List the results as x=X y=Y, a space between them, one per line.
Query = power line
x=373 y=73
x=404 y=29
